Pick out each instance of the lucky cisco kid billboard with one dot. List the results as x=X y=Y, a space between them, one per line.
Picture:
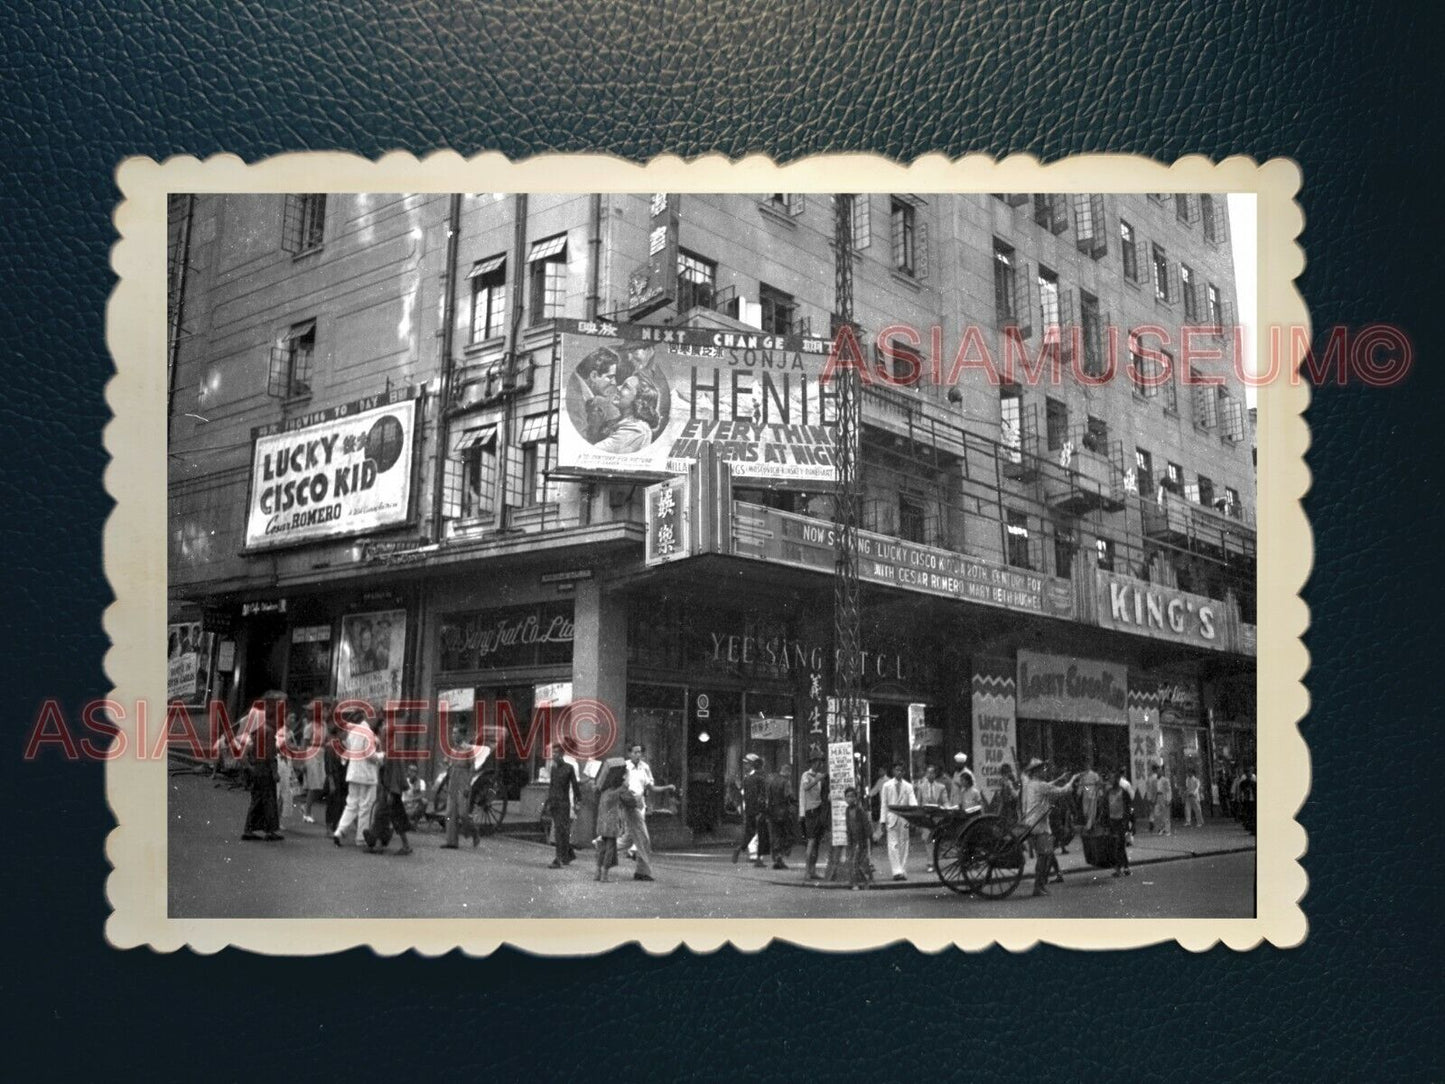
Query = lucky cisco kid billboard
x=339 y=472
x=642 y=401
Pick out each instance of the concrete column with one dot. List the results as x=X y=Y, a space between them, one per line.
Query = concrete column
x=599 y=671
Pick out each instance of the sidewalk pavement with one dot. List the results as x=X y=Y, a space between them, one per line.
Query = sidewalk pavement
x=1218 y=836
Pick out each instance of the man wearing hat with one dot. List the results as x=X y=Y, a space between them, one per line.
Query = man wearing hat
x=754 y=795
x=1038 y=795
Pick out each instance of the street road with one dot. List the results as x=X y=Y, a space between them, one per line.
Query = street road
x=213 y=874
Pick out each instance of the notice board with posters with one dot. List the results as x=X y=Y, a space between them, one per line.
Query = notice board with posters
x=640 y=401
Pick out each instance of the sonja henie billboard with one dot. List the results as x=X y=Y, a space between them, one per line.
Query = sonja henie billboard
x=642 y=401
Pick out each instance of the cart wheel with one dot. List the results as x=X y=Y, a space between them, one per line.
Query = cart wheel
x=991 y=859
x=488 y=803
x=948 y=860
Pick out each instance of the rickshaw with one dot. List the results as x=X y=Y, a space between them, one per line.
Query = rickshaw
x=974 y=852
x=486 y=797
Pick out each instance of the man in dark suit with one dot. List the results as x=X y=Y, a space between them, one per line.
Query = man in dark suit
x=781 y=813
x=754 y=799
x=562 y=790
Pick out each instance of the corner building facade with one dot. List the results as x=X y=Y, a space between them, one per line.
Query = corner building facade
x=372 y=492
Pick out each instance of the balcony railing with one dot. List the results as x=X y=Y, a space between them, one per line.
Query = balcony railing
x=1087 y=475
x=1180 y=522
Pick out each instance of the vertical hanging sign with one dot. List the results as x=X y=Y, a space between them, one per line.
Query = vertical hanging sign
x=654 y=283
x=669 y=524
x=995 y=721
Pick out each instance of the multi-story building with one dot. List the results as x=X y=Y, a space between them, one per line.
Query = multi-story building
x=375 y=491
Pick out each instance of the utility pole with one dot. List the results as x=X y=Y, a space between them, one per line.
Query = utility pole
x=847 y=683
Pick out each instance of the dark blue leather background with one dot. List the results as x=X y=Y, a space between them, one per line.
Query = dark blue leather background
x=1341 y=87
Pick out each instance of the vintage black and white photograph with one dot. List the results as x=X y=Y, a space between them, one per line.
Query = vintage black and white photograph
x=713 y=556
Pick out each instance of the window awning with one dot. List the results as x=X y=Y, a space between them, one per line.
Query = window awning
x=487 y=266
x=547 y=248
x=472 y=438
x=534 y=428
x=299 y=331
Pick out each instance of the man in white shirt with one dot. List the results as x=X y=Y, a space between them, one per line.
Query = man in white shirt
x=638 y=784
x=1193 y=812
x=362 y=755
x=896 y=791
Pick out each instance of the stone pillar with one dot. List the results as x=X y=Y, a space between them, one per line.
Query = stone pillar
x=599 y=672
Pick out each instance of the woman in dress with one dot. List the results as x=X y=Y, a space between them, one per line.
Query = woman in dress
x=313 y=767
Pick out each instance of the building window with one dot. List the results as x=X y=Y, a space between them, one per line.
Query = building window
x=537 y=445
x=1231 y=502
x=1183 y=208
x=779 y=310
x=862 y=221
x=1191 y=296
x=1016 y=534
x=1205 y=491
x=1161 y=272
x=1051 y=211
x=547 y=279
x=1011 y=420
x=1129 y=250
x=904 y=364
x=303 y=223
x=1005 y=284
x=1056 y=423
x=489 y=297
x=1092 y=329
x=696 y=281
x=905 y=237
x=1171 y=385
x=1105 y=549
x=290 y=373
x=1214 y=217
x=1144 y=373
x=1048 y=298
x=788 y=203
x=910 y=519
x=1233 y=417
x=472 y=473
x=1096 y=435
x=1144 y=465
x=1173 y=479
x=1206 y=401
x=1063 y=552
x=1216 y=306
x=1089 y=230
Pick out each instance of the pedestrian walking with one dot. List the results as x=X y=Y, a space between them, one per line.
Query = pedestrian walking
x=393 y=783
x=1038 y=794
x=896 y=791
x=1089 y=790
x=932 y=791
x=1006 y=798
x=313 y=758
x=781 y=814
x=460 y=757
x=286 y=766
x=260 y=731
x=363 y=761
x=1163 y=803
x=813 y=801
x=860 y=830
x=754 y=800
x=609 y=815
x=1118 y=806
x=335 y=768
x=639 y=784
x=1193 y=812
x=562 y=791
x=1248 y=798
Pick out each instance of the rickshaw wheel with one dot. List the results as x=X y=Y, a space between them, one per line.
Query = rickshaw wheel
x=991 y=858
x=948 y=860
x=488 y=803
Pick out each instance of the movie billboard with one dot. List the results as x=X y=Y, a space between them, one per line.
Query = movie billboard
x=640 y=402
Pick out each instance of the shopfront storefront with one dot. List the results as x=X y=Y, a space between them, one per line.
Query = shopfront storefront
x=1072 y=711
x=708 y=685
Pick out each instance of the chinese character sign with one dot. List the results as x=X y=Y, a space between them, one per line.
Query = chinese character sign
x=668 y=523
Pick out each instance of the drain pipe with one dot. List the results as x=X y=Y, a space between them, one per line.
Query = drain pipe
x=509 y=356
x=183 y=266
x=594 y=303
x=444 y=392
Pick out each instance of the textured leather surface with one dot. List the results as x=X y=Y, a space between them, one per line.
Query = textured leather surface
x=1342 y=87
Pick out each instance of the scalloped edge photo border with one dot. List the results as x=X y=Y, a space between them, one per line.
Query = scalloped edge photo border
x=136 y=552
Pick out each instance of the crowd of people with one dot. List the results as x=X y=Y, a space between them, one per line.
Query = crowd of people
x=372 y=797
